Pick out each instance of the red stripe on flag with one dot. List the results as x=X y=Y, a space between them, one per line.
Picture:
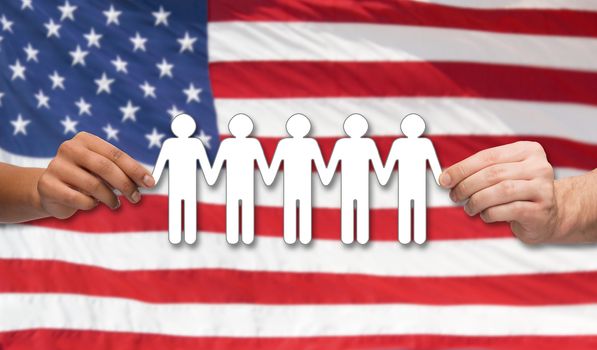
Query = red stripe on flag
x=454 y=148
x=289 y=288
x=152 y=215
x=284 y=79
x=524 y=21
x=96 y=340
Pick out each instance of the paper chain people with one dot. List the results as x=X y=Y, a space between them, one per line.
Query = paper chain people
x=355 y=153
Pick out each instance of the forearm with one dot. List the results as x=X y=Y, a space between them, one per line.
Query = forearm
x=19 y=198
x=576 y=199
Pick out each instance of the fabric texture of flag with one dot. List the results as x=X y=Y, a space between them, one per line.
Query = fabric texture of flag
x=481 y=73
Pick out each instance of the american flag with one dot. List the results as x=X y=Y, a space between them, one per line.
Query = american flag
x=482 y=73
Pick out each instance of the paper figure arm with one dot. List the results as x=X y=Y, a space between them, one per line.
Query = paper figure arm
x=436 y=169
x=212 y=176
x=261 y=162
x=378 y=167
x=319 y=163
x=332 y=165
x=270 y=175
x=160 y=163
x=204 y=162
x=390 y=163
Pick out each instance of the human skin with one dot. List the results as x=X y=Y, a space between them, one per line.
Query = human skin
x=515 y=183
x=83 y=173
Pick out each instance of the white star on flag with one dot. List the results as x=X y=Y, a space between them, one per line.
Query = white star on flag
x=6 y=24
x=129 y=111
x=186 y=42
x=161 y=17
x=20 y=125
x=67 y=11
x=26 y=4
x=53 y=28
x=174 y=111
x=148 y=90
x=155 y=138
x=103 y=84
x=18 y=71
x=111 y=133
x=1 y=95
x=205 y=138
x=84 y=107
x=69 y=125
x=78 y=56
x=93 y=38
x=165 y=68
x=31 y=53
x=42 y=100
x=57 y=80
x=192 y=93
x=112 y=16
x=138 y=42
x=120 y=65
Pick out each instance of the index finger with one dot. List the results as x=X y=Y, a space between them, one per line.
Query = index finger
x=479 y=161
x=133 y=169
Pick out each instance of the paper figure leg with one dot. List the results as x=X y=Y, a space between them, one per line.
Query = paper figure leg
x=289 y=220
x=420 y=224
x=306 y=224
x=362 y=221
x=404 y=211
x=190 y=221
x=174 y=220
x=347 y=226
x=248 y=221
x=232 y=221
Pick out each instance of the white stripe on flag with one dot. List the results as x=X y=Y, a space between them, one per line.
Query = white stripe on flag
x=22 y=312
x=588 y=5
x=444 y=116
x=151 y=250
x=316 y=41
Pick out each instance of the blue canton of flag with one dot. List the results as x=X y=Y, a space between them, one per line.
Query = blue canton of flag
x=118 y=70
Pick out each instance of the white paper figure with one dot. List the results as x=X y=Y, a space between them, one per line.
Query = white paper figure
x=240 y=154
x=181 y=153
x=355 y=152
x=412 y=153
x=298 y=154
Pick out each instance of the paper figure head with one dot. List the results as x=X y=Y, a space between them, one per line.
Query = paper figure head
x=183 y=125
x=355 y=125
x=298 y=125
x=240 y=125
x=412 y=125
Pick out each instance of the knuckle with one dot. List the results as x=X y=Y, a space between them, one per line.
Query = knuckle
x=495 y=174
x=116 y=154
x=66 y=148
x=82 y=135
x=534 y=148
x=486 y=216
x=127 y=187
x=472 y=203
x=490 y=156
x=104 y=165
x=507 y=188
x=94 y=185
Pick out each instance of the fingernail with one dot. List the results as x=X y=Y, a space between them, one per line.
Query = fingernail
x=445 y=179
x=148 y=180
x=136 y=196
x=453 y=196
x=117 y=203
x=468 y=211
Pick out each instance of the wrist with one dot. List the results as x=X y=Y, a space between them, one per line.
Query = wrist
x=574 y=209
x=34 y=198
